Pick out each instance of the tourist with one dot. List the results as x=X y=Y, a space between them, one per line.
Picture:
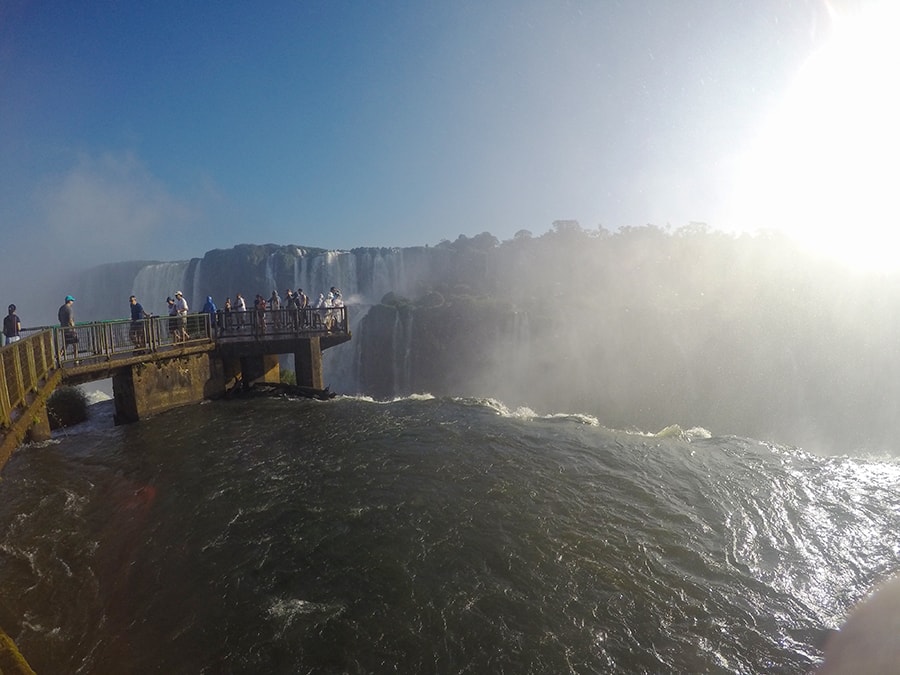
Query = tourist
x=329 y=313
x=302 y=302
x=138 y=332
x=11 y=326
x=66 y=317
x=259 y=304
x=240 y=306
x=339 y=315
x=209 y=307
x=227 y=318
x=319 y=316
x=275 y=306
x=181 y=308
x=174 y=321
x=290 y=307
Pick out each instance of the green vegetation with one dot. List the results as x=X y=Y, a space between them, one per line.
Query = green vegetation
x=67 y=406
x=11 y=660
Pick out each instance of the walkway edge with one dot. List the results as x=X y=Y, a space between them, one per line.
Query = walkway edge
x=11 y=660
x=18 y=430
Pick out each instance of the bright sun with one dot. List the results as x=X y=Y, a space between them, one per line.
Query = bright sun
x=826 y=169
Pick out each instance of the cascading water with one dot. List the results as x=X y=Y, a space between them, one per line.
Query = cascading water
x=342 y=362
x=196 y=291
x=402 y=353
x=364 y=276
x=154 y=283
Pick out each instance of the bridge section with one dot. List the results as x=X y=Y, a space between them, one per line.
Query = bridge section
x=159 y=363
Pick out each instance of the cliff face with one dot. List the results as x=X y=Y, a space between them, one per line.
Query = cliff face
x=365 y=274
x=745 y=335
x=102 y=293
x=444 y=347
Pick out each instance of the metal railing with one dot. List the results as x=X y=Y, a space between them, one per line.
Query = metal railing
x=23 y=365
x=99 y=340
x=26 y=363
x=281 y=323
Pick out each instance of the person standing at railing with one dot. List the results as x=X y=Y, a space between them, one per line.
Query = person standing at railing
x=302 y=302
x=209 y=307
x=138 y=332
x=66 y=317
x=275 y=306
x=174 y=321
x=11 y=326
x=259 y=304
x=338 y=303
x=226 y=316
x=240 y=305
x=181 y=308
x=290 y=307
x=318 y=317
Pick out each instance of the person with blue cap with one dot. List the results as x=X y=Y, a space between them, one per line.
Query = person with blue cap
x=67 y=321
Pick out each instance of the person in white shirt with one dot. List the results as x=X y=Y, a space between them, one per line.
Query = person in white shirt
x=240 y=306
x=181 y=309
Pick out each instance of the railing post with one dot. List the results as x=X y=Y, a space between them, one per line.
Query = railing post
x=5 y=402
x=32 y=369
x=56 y=357
x=20 y=381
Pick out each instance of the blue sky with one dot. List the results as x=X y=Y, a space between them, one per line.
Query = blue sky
x=160 y=130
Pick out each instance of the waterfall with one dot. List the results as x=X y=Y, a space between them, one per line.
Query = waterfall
x=401 y=351
x=271 y=283
x=406 y=363
x=384 y=274
x=364 y=275
x=154 y=283
x=197 y=292
x=396 y=342
x=519 y=357
x=316 y=274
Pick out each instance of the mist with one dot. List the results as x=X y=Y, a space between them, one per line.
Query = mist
x=642 y=328
x=100 y=208
x=649 y=327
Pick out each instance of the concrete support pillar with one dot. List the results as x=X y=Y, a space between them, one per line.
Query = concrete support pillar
x=308 y=364
x=150 y=388
x=231 y=372
x=263 y=368
x=40 y=428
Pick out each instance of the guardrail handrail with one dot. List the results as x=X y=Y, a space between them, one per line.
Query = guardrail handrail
x=99 y=340
x=289 y=322
x=24 y=364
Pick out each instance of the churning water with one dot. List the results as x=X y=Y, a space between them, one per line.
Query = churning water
x=431 y=535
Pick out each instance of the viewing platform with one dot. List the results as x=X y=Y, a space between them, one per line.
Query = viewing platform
x=159 y=363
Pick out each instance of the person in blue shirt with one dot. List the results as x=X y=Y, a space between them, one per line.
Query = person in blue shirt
x=209 y=307
x=138 y=332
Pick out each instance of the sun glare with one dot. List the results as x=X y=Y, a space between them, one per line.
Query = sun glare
x=826 y=169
